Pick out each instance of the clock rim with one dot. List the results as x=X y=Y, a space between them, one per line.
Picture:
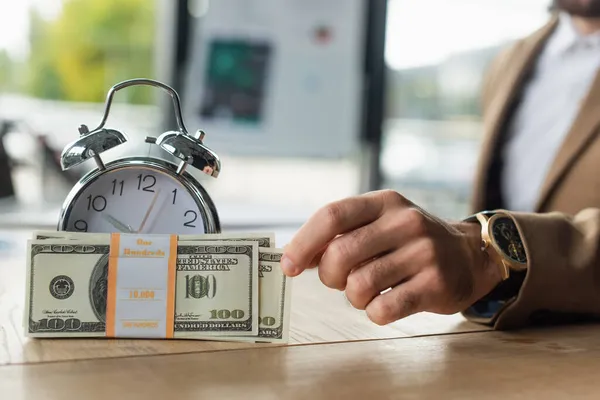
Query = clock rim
x=205 y=204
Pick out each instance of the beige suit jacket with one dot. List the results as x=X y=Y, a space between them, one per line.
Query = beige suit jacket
x=563 y=238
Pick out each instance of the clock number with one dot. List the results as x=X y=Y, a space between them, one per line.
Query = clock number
x=114 y=182
x=189 y=224
x=147 y=188
x=98 y=203
x=81 y=225
x=174 y=195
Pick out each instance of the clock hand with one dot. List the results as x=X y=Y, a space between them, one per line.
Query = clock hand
x=159 y=205
x=148 y=212
x=117 y=224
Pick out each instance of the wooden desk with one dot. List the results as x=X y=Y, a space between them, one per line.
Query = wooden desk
x=551 y=364
x=335 y=352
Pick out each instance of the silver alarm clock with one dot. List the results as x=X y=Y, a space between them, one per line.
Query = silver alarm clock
x=140 y=194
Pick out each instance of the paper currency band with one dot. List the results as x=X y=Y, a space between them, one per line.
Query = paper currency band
x=141 y=313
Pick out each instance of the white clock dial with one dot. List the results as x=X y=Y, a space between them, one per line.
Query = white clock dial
x=136 y=199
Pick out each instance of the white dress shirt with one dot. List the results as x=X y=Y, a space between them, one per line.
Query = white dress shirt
x=551 y=100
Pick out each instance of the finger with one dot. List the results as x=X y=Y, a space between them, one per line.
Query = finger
x=355 y=249
x=382 y=273
x=327 y=223
x=316 y=260
x=403 y=300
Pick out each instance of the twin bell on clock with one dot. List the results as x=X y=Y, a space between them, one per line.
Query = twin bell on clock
x=146 y=195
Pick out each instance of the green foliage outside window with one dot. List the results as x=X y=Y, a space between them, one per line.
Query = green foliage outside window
x=92 y=45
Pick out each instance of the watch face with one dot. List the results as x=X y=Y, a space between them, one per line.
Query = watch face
x=136 y=199
x=507 y=238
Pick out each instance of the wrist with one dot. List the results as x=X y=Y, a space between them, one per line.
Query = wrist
x=485 y=270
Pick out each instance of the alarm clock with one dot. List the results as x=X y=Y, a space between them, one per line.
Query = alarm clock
x=145 y=195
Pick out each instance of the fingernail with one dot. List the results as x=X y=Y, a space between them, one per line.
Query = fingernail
x=289 y=268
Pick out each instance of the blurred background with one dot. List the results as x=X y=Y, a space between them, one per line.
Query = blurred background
x=306 y=101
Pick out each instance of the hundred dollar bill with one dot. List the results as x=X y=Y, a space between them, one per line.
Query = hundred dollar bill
x=217 y=289
x=66 y=288
x=275 y=295
x=67 y=281
x=264 y=239
x=44 y=235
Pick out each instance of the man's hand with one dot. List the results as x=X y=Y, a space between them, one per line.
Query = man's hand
x=368 y=244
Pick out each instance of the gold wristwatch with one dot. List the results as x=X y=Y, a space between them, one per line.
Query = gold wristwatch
x=502 y=241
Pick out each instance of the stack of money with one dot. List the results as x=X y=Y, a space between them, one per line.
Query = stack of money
x=247 y=300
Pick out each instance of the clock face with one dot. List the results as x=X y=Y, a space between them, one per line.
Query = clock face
x=135 y=199
x=507 y=237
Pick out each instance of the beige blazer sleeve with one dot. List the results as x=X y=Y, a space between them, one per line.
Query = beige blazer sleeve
x=562 y=282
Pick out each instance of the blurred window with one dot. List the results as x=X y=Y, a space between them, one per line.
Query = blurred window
x=437 y=52
x=59 y=57
x=74 y=49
